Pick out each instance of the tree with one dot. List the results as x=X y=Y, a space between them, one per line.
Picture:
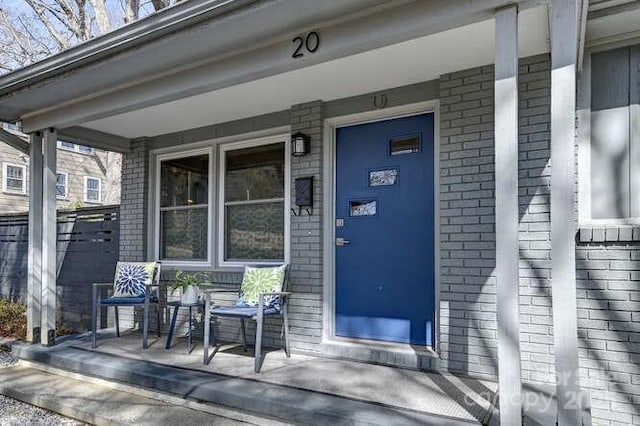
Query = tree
x=31 y=30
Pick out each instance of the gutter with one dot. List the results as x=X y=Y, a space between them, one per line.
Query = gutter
x=154 y=26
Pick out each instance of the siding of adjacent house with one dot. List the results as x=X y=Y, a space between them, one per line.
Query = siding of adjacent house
x=608 y=271
x=76 y=165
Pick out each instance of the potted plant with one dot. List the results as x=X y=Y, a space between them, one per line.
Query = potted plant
x=187 y=283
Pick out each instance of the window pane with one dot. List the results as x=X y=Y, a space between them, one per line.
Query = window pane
x=255 y=231
x=68 y=145
x=93 y=184
x=184 y=234
x=610 y=143
x=93 y=195
x=255 y=173
x=184 y=181
x=85 y=149
x=404 y=145
x=14 y=172
x=14 y=184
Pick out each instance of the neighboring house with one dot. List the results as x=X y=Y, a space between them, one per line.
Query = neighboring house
x=81 y=174
x=453 y=225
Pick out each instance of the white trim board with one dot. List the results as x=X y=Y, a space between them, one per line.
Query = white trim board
x=329 y=216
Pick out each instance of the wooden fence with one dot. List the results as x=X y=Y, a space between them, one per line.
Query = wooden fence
x=87 y=252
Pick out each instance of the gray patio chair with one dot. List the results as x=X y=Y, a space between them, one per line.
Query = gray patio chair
x=259 y=297
x=134 y=284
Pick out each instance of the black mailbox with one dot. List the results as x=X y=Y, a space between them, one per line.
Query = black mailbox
x=304 y=192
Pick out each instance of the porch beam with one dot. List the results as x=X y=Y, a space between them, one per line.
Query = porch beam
x=506 y=194
x=34 y=259
x=49 y=236
x=95 y=139
x=14 y=141
x=564 y=40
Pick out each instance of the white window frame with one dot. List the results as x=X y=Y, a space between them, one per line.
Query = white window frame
x=76 y=148
x=583 y=112
x=224 y=148
x=66 y=186
x=211 y=198
x=86 y=188
x=5 y=168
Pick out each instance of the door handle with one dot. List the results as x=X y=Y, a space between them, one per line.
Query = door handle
x=341 y=242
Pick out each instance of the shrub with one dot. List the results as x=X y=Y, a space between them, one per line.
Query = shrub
x=13 y=319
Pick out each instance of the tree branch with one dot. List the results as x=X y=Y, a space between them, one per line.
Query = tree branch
x=57 y=36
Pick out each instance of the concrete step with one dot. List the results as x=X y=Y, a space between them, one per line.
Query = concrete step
x=101 y=402
x=286 y=403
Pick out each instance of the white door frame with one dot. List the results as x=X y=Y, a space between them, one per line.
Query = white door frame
x=329 y=212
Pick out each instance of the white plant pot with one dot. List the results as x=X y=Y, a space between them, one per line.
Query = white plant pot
x=189 y=296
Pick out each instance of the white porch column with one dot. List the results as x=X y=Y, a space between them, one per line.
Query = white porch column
x=34 y=260
x=49 y=239
x=506 y=193
x=564 y=42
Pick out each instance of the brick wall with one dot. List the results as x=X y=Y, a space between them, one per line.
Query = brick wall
x=467 y=240
x=608 y=281
x=133 y=220
x=135 y=196
x=306 y=233
x=536 y=331
x=468 y=290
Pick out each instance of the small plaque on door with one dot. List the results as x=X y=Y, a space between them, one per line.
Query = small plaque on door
x=363 y=207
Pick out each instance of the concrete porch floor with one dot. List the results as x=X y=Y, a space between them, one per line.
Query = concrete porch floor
x=350 y=391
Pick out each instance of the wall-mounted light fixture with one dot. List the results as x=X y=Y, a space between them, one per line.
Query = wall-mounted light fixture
x=300 y=144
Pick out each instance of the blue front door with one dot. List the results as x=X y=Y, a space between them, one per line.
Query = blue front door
x=385 y=230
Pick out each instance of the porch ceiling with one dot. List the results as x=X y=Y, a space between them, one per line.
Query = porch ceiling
x=610 y=21
x=374 y=70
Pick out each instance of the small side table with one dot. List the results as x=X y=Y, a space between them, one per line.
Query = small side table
x=176 y=306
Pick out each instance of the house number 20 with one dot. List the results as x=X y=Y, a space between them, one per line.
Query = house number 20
x=307 y=43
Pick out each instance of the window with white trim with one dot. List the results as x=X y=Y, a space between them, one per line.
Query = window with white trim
x=92 y=189
x=62 y=185
x=610 y=151
x=14 y=178
x=248 y=222
x=252 y=208
x=184 y=208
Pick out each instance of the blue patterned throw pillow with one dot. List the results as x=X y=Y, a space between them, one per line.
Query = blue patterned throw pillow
x=132 y=277
x=261 y=280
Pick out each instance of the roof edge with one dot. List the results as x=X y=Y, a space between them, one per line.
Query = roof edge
x=154 y=26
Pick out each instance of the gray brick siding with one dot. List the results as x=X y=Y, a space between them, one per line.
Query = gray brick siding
x=608 y=285
x=135 y=197
x=467 y=240
x=133 y=218
x=306 y=233
x=536 y=331
x=468 y=289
